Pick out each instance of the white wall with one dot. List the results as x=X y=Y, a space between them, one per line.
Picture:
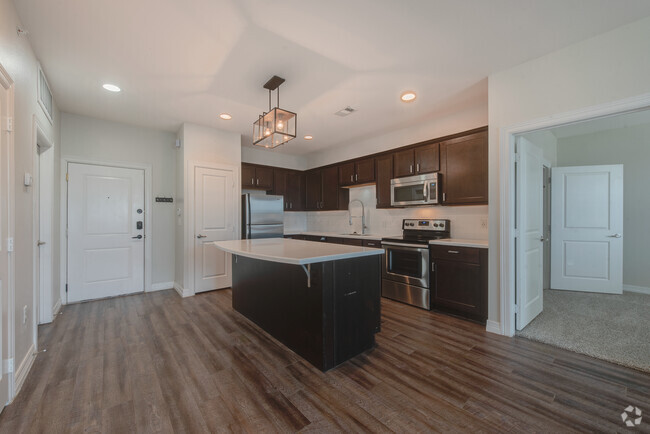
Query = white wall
x=205 y=145
x=112 y=142
x=606 y=68
x=546 y=141
x=272 y=157
x=630 y=147
x=472 y=117
x=18 y=59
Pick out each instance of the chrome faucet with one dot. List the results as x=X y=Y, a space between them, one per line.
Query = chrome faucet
x=363 y=215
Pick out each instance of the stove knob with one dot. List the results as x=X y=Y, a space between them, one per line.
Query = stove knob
x=435 y=225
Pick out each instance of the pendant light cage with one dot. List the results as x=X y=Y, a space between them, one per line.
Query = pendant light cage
x=277 y=126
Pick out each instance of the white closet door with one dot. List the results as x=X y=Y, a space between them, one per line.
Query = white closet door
x=587 y=229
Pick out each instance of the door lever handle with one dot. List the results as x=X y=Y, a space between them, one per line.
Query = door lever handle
x=139 y=237
x=201 y=236
x=40 y=243
x=614 y=236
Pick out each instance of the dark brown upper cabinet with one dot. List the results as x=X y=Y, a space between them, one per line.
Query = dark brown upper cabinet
x=322 y=191
x=416 y=161
x=253 y=176
x=291 y=185
x=357 y=172
x=383 y=175
x=464 y=168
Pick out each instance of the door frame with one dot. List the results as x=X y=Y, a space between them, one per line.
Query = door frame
x=9 y=85
x=43 y=310
x=507 y=232
x=148 y=200
x=189 y=283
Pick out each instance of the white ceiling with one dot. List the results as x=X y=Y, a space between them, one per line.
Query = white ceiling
x=188 y=61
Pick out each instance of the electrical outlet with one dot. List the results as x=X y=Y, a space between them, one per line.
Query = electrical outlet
x=484 y=223
x=25 y=314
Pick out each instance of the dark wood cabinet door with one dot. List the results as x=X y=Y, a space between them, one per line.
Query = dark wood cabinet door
x=364 y=171
x=427 y=158
x=280 y=181
x=330 y=179
x=264 y=177
x=346 y=174
x=295 y=188
x=313 y=190
x=384 y=168
x=247 y=175
x=352 y=241
x=403 y=163
x=464 y=162
x=457 y=286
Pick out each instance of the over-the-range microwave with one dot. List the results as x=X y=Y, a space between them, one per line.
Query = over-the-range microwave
x=415 y=190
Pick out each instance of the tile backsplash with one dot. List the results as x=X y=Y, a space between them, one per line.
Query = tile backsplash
x=469 y=222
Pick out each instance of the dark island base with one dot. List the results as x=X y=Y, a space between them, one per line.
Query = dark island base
x=328 y=323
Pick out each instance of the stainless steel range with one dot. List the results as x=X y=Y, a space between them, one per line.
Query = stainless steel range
x=405 y=270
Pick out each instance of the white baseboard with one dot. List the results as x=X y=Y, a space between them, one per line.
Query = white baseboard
x=160 y=286
x=183 y=292
x=638 y=289
x=23 y=369
x=56 y=309
x=493 y=327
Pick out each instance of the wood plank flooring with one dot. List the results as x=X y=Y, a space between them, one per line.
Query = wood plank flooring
x=159 y=363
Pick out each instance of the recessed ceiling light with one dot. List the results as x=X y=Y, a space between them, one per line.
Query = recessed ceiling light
x=408 y=96
x=308 y=137
x=225 y=116
x=111 y=87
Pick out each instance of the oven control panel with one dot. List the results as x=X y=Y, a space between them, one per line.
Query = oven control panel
x=425 y=225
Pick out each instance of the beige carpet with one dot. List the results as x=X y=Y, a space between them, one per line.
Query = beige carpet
x=615 y=328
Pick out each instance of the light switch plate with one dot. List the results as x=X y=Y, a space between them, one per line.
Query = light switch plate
x=28 y=179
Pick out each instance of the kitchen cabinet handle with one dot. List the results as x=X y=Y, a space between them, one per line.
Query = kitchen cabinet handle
x=433 y=267
x=252 y=181
x=417 y=167
x=444 y=197
x=290 y=205
x=356 y=176
x=258 y=181
x=351 y=178
x=411 y=168
x=455 y=252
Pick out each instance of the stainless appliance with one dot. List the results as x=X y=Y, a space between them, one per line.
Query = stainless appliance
x=262 y=216
x=405 y=271
x=415 y=190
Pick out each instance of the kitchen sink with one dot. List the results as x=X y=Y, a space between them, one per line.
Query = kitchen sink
x=359 y=235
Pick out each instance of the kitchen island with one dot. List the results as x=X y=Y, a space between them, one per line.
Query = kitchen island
x=320 y=300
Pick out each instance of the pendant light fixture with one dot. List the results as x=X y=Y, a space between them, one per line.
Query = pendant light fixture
x=277 y=126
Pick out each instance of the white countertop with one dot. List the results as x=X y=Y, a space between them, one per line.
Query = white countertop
x=374 y=237
x=481 y=244
x=297 y=252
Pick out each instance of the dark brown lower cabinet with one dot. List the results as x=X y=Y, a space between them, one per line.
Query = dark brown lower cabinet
x=352 y=241
x=459 y=281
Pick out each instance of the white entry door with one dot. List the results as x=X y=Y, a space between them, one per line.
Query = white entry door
x=105 y=238
x=530 y=223
x=587 y=229
x=214 y=220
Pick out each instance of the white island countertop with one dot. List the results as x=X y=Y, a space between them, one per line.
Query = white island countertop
x=297 y=252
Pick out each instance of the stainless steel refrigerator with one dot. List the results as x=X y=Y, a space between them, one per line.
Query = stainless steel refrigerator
x=262 y=216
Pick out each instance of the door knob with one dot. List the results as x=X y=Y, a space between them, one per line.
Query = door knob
x=139 y=237
x=614 y=236
x=201 y=236
x=541 y=238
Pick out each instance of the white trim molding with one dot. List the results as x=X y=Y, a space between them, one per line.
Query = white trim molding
x=56 y=309
x=183 y=292
x=23 y=369
x=507 y=138
x=637 y=289
x=161 y=286
x=493 y=327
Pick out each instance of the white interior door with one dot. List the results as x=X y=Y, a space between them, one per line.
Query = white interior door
x=5 y=233
x=587 y=229
x=530 y=223
x=105 y=241
x=44 y=241
x=214 y=220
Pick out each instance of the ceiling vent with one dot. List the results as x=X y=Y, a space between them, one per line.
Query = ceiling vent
x=345 y=112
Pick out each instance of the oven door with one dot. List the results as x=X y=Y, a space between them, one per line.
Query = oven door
x=406 y=263
x=414 y=190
